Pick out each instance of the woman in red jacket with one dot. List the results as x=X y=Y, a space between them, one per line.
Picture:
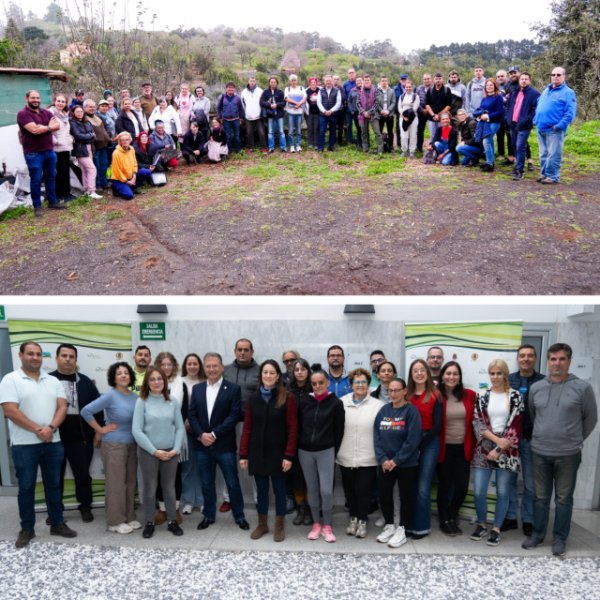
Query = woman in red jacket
x=423 y=394
x=453 y=472
x=268 y=444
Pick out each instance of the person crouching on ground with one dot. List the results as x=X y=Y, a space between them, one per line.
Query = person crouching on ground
x=126 y=177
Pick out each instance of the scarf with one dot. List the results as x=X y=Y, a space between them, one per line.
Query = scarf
x=366 y=103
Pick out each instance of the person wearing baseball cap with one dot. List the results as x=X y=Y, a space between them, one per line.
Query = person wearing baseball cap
x=77 y=100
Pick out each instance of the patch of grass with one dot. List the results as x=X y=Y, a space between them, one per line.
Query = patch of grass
x=80 y=201
x=264 y=171
x=384 y=166
x=14 y=213
x=114 y=214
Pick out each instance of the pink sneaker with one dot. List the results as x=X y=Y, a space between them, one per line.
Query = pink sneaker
x=315 y=532
x=327 y=533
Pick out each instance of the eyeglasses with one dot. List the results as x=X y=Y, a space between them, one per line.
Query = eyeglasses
x=360 y=382
x=377 y=361
x=556 y=75
x=155 y=380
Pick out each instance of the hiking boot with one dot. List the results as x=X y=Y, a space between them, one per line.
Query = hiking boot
x=386 y=535
x=24 y=537
x=517 y=176
x=261 y=528
x=479 y=533
x=300 y=512
x=279 y=533
x=63 y=530
x=398 y=539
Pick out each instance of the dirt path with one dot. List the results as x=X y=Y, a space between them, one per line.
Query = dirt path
x=317 y=225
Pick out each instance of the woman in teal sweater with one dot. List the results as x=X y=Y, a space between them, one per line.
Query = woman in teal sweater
x=158 y=430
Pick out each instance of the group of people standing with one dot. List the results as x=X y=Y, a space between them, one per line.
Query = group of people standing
x=291 y=427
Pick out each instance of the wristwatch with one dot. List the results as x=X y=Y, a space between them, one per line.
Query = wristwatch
x=498 y=449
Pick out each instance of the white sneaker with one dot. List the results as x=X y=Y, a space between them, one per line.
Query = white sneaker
x=380 y=522
x=135 y=524
x=187 y=509
x=95 y=196
x=398 y=538
x=292 y=149
x=122 y=528
x=361 y=530
x=298 y=149
x=386 y=535
x=352 y=525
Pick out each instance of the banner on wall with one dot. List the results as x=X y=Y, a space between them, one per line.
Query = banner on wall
x=472 y=345
x=98 y=346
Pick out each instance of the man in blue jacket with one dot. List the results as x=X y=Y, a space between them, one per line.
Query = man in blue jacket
x=521 y=109
x=230 y=110
x=555 y=111
x=214 y=410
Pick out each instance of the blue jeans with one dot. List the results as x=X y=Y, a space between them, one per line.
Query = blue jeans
x=295 y=125
x=207 y=461
x=262 y=494
x=519 y=142
x=481 y=480
x=551 y=146
x=124 y=190
x=272 y=124
x=488 y=144
x=49 y=458
x=42 y=164
x=469 y=153
x=441 y=147
x=528 y=486
x=191 y=486
x=101 y=162
x=232 y=133
x=326 y=123
x=421 y=522
x=559 y=472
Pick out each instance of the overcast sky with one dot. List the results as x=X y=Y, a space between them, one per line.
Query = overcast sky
x=410 y=25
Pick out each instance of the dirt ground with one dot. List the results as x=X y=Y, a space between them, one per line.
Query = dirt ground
x=229 y=229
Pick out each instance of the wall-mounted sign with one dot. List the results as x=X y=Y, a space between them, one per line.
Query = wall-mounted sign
x=155 y=331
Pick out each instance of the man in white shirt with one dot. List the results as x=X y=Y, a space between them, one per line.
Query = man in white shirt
x=34 y=404
x=254 y=124
x=329 y=102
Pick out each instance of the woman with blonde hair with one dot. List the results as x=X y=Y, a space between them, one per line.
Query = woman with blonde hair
x=423 y=394
x=498 y=423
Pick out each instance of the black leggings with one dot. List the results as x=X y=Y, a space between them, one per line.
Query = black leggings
x=453 y=482
x=358 y=484
x=407 y=479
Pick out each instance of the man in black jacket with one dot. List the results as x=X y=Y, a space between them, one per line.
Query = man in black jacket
x=76 y=435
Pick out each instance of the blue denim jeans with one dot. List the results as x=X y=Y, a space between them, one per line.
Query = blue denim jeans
x=262 y=494
x=207 y=461
x=276 y=123
x=519 y=142
x=101 y=162
x=49 y=458
x=551 y=146
x=191 y=486
x=441 y=147
x=481 y=480
x=124 y=190
x=42 y=165
x=528 y=486
x=469 y=153
x=326 y=123
x=295 y=127
x=232 y=133
x=488 y=144
x=421 y=522
x=560 y=473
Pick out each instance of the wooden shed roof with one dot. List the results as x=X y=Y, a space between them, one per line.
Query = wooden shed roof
x=49 y=73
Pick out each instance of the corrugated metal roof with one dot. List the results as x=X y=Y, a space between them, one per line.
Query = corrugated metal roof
x=49 y=73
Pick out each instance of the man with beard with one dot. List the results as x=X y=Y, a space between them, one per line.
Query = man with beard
x=338 y=379
x=141 y=358
x=35 y=132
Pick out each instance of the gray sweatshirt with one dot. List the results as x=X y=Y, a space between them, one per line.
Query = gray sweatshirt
x=563 y=415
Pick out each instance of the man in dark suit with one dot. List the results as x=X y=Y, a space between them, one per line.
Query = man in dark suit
x=213 y=413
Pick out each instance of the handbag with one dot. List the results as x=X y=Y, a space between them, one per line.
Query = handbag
x=429 y=157
x=158 y=179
